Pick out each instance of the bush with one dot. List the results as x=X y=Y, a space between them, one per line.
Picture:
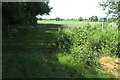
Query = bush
x=87 y=43
x=100 y=41
x=90 y=42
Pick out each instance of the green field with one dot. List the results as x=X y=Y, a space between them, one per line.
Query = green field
x=70 y=53
x=67 y=23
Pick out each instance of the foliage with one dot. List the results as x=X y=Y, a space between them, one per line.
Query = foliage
x=80 y=19
x=93 y=18
x=92 y=37
x=112 y=8
x=40 y=19
x=24 y=12
x=17 y=13
x=87 y=43
x=58 y=19
x=74 y=59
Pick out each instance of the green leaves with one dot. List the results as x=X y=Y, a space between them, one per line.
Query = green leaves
x=87 y=44
x=111 y=7
x=92 y=38
x=93 y=18
x=21 y=13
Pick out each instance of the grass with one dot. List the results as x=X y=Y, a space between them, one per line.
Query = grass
x=36 y=55
x=25 y=55
x=67 y=23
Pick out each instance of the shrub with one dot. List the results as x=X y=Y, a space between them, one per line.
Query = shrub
x=90 y=41
x=87 y=43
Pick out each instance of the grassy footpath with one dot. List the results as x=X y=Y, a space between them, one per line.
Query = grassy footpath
x=35 y=55
x=28 y=54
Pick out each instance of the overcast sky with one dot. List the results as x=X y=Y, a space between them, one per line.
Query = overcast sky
x=68 y=9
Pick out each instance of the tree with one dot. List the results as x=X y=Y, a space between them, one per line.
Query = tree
x=40 y=18
x=111 y=7
x=17 y=13
x=80 y=19
x=93 y=18
x=57 y=19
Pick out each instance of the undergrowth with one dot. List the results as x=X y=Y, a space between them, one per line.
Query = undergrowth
x=84 y=45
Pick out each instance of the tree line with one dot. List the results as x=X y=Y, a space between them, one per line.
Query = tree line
x=92 y=18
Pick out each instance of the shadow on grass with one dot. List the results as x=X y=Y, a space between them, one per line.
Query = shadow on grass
x=33 y=55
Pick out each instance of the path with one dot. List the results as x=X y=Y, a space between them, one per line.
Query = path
x=30 y=54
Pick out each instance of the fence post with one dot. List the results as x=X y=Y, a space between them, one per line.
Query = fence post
x=102 y=25
x=58 y=29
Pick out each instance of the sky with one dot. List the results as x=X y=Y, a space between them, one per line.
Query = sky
x=68 y=9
